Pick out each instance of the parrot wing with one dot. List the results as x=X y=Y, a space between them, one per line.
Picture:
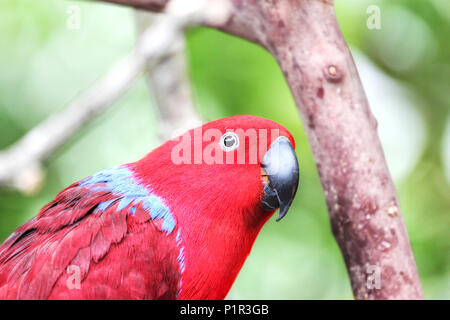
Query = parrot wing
x=105 y=237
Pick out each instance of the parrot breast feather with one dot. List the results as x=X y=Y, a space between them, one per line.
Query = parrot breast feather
x=113 y=233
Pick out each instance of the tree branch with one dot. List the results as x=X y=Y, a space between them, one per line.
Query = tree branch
x=20 y=164
x=365 y=216
x=361 y=198
x=169 y=85
x=153 y=5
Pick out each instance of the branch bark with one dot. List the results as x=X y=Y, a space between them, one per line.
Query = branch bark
x=361 y=198
x=305 y=39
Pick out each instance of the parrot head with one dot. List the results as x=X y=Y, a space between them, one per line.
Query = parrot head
x=221 y=181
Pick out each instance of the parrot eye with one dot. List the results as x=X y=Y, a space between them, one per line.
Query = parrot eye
x=229 y=141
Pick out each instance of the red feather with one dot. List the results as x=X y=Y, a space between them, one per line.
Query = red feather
x=70 y=232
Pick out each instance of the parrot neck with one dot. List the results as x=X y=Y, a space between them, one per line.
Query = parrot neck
x=217 y=219
x=213 y=258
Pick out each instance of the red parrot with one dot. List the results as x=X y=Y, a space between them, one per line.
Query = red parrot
x=177 y=224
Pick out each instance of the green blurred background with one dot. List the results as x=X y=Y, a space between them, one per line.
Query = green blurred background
x=405 y=68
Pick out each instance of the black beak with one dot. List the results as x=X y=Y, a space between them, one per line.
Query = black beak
x=280 y=166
